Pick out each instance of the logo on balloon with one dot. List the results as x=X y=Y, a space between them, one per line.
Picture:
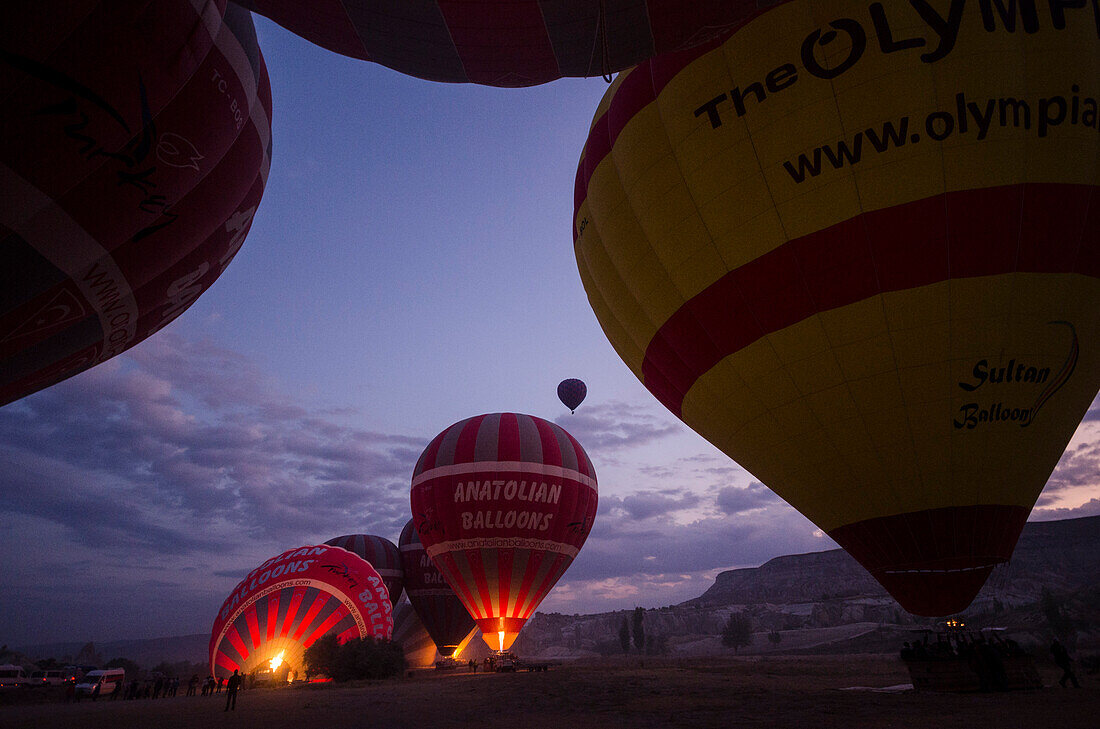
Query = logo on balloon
x=1015 y=372
x=177 y=151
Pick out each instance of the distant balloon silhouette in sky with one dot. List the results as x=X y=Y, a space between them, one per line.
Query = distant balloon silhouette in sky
x=503 y=503
x=283 y=606
x=505 y=42
x=858 y=250
x=135 y=142
x=571 y=392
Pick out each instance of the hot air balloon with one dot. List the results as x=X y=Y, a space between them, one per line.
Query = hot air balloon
x=503 y=503
x=134 y=146
x=441 y=612
x=571 y=392
x=505 y=42
x=283 y=606
x=408 y=632
x=856 y=248
x=381 y=554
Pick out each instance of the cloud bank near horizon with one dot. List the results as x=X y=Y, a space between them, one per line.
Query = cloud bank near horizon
x=162 y=476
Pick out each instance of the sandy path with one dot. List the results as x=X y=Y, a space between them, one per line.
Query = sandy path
x=753 y=692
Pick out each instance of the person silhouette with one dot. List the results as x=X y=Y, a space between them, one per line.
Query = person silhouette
x=231 y=691
x=1063 y=661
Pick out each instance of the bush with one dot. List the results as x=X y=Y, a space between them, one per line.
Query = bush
x=738 y=631
x=354 y=659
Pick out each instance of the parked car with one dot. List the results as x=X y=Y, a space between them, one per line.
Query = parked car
x=12 y=676
x=48 y=677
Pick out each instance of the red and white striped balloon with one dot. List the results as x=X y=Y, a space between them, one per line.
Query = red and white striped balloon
x=503 y=502
x=381 y=554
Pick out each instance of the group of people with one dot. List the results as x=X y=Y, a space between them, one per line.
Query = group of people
x=986 y=655
x=210 y=685
x=961 y=645
x=163 y=687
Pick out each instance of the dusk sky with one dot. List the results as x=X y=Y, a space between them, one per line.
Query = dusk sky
x=410 y=265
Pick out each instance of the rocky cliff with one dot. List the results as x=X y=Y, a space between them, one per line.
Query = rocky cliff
x=811 y=601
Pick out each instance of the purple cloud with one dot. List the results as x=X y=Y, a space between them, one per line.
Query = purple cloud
x=179 y=445
x=735 y=500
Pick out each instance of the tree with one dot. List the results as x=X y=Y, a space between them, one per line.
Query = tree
x=639 y=629
x=738 y=631
x=356 y=658
x=775 y=637
x=656 y=645
x=624 y=636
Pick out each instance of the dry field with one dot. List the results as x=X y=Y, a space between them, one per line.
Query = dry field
x=626 y=693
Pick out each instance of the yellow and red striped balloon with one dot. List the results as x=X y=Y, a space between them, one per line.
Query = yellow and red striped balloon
x=502 y=503
x=856 y=246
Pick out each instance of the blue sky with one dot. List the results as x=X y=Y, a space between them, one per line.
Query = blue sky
x=410 y=265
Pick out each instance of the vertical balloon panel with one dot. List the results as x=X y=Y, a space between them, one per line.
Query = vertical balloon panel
x=857 y=250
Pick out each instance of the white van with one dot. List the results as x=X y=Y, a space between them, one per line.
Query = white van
x=48 y=677
x=12 y=676
x=107 y=679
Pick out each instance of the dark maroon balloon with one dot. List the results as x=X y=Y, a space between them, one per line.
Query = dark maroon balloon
x=507 y=42
x=439 y=609
x=134 y=146
x=571 y=392
x=381 y=554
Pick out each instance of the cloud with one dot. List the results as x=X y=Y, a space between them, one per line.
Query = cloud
x=181 y=453
x=1089 y=508
x=615 y=426
x=647 y=504
x=736 y=500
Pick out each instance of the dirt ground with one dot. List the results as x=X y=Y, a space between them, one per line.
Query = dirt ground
x=626 y=693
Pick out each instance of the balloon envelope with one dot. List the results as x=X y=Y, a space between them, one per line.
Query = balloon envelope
x=283 y=606
x=864 y=261
x=412 y=636
x=381 y=554
x=504 y=42
x=571 y=392
x=503 y=502
x=134 y=146
x=441 y=612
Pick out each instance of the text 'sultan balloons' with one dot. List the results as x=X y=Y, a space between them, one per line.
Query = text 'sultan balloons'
x=283 y=606
x=503 y=503
x=572 y=392
x=505 y=42
x=441 y=612
x=134 y=146
x=855 y=246
x=383 y=556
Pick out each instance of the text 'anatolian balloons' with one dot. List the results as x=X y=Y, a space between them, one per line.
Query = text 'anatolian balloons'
x=283 y=606
x=856 y=246
x=135 y=141
x=503 y=503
